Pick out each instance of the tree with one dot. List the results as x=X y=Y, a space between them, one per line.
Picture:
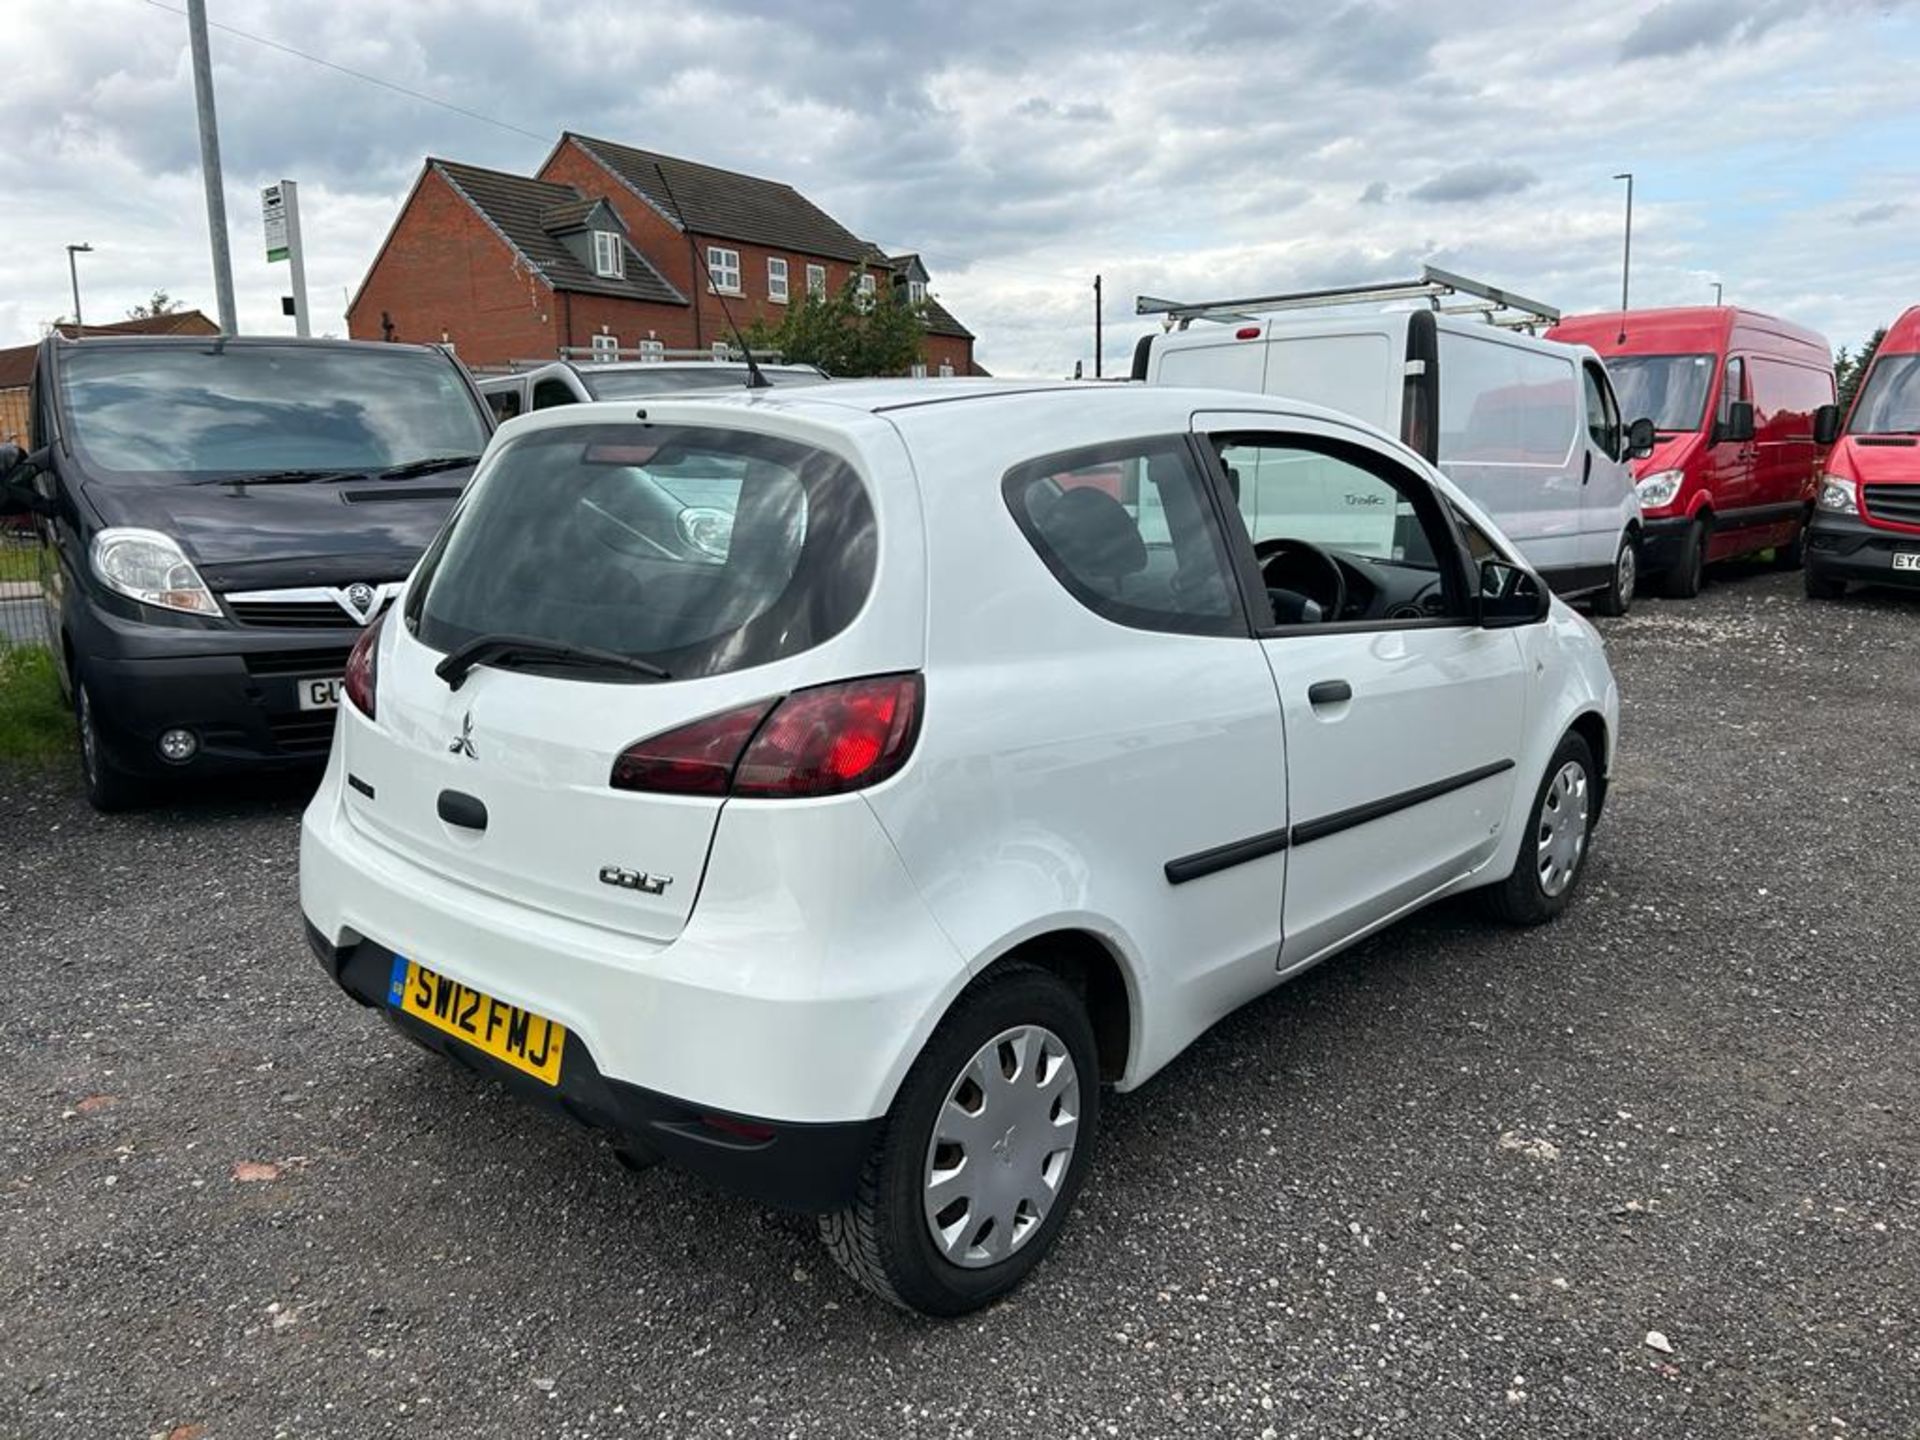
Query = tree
x=1849 y=370
x=161 y=304
x=847 y=334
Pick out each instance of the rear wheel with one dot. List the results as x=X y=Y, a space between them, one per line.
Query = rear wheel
x=1689 y=574
x=109 y=788
x=1617 y=598
x=983 y=1151
x=1553 y=853
x=1821 y=587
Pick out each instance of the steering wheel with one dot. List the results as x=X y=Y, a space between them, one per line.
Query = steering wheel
x=1281 y=568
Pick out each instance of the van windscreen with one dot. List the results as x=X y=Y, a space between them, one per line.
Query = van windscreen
x=700 y=550
x=145 y=411
x=1670 y=390
x=1890 y=400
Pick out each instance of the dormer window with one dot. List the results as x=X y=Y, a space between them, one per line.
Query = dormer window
x=609 y=256
x=917 y=292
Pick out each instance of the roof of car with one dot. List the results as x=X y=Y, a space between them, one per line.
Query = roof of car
x=1903 y=336
x=1678 y=329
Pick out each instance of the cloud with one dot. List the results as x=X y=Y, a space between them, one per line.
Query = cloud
x=1375 y=194
x=1481 y=181
x=1877 y=214
x=1039 y=107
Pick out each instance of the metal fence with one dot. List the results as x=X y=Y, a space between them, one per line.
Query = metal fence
x=23 y=618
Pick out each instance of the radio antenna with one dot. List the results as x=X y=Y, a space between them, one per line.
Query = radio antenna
x=755 y=380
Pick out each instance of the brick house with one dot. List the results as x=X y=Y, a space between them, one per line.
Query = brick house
x=602 y=249
x=16 y=363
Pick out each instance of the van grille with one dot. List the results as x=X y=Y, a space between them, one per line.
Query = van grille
x=1898 y=503
x=290 y=614
x=302 y=663
x=304 y=733
x=312 y=607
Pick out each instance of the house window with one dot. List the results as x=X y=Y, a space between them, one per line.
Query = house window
x=919 y=370
x=723 y=269
x=817 y=281
x=866 y=292
x=917 y=291
x=609 y=258
x=652 y=350
x=946 y=369
x=606 y=347
x=777 y=279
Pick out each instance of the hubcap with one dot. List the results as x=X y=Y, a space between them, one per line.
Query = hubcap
x=1562 y=833
x=1629 y=574
x=1001 y=1147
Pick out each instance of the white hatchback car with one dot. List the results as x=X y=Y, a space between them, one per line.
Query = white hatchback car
x=985 y=755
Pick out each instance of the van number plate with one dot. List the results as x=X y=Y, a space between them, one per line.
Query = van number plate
x=321 y=694
x=1906 y=560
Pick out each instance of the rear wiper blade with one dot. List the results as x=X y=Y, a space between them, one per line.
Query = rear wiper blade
x=281 y=477
x=492 y=649
x=431 y=465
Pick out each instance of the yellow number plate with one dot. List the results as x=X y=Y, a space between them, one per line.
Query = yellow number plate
x=518 y=1037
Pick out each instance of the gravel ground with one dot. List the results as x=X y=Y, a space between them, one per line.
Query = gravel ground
x=1444 y=1185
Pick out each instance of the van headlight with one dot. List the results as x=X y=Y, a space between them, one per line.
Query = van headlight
x=1659 y=488
x=1838 y=495
x=147 y=566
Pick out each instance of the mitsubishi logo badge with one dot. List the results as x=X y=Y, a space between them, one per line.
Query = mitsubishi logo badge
x=463 y=742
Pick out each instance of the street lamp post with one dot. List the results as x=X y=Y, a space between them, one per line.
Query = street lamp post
x=1716 y=293
x=73 y=273
x=1626 y=254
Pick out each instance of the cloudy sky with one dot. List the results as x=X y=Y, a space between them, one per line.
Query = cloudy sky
x=1197 y=149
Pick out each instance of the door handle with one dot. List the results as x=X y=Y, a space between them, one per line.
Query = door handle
x=1586 y=473
x=1329 y=692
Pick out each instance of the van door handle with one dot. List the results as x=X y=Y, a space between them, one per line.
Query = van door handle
x=1586 y=473
x=1329 y=692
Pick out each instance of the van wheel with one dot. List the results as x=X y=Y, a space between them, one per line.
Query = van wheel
x=1553 y=853
x=1793 y=555
x=109 y=788
x=1821 y=587
x=1689 y=574
x=983 y=1151
x=1617 y=598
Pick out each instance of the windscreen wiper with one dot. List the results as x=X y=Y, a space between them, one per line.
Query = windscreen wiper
x=493 y=649
x=431 y=465
x=280 y=477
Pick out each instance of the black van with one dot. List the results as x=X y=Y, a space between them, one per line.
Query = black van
x=220 y=518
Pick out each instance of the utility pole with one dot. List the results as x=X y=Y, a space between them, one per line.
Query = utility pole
x=1096 y=327
x=210 y=165
x=1626 y=254
x=73 y=271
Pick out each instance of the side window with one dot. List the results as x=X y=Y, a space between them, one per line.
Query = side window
x=1603 y=415
x=1341 y=534
x=1734 y=388
x=505 y=404
x=548 y=393
x=1127 y=529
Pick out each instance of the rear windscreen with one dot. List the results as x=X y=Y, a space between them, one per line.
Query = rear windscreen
x=700 y=550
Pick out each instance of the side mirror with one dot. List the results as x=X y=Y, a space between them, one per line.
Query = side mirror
x=1640 y=438
x=1738 y=426
x=17 y=490
x=1826 y=425
x=1511 y=595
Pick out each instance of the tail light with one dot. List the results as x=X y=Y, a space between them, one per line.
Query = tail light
x=363 y=668
x=824 y=741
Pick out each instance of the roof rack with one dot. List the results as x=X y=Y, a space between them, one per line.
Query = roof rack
x=1436 y=286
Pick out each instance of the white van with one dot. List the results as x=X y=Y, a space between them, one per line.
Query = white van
x=1529 y=428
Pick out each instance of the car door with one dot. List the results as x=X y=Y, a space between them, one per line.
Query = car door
x=1402 y=717
x=1606 y=481
x=1730 y=469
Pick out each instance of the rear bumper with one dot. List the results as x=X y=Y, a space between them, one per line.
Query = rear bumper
x=808 y=1167
x=1842 y=548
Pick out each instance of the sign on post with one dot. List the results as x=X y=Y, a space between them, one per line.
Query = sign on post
x=280 y=222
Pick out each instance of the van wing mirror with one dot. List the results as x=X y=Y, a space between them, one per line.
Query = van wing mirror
x=1738 y=426
x=1640 y=438
x=17 y=491
x=1826 y=425
x=1511 y=595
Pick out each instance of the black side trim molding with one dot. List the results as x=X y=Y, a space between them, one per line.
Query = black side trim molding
x=1225 y=857
x=1309 y=831
x=1257 y=847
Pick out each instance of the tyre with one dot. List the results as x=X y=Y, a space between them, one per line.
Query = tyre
x=1689 y=574
x=1821 y=587
x=982 y=1153
x=1793 y=555
x=1617 y=598
x=1554 y=851
x=109 y=788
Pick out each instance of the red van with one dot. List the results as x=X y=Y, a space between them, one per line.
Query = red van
x=1732 y=396
x=1866 y=518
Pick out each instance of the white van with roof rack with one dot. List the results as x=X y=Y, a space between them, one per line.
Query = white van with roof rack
x=540 y=385
x=1529 y=428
